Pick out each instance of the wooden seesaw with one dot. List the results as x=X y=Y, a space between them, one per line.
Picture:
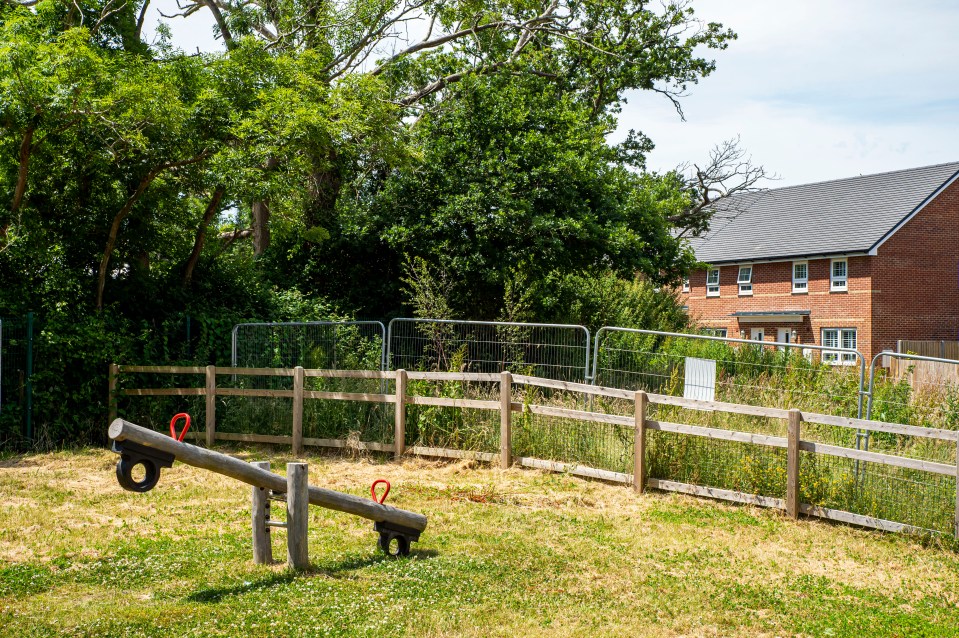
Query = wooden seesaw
x=137 y=445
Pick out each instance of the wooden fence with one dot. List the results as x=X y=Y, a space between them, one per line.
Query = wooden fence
x=506 y=406
x=940 y=349
x=924 y=375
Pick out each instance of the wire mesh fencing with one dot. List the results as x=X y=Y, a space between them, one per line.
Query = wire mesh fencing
x=14 y=376
x=332 y=345
x=547 y=350
x=916 y=389
x=783 y=375
x=920 y=499
x=571 y=425
x=472 y=429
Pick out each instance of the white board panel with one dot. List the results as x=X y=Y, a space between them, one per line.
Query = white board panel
x=700 y=379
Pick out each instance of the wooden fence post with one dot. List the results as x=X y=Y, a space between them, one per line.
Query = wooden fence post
x=210 y=405
x=639 y=444
x=112 y=392
x=262 y=546
x=399 y=422
x=505 y=420
x=297 y=515
x=298 y=379
x=792 y=463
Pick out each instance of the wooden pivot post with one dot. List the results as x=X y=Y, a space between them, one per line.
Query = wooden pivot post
x=505 y=420
x=792 y=463
x=639 y=443
x=298 y=379
x=297 y=515
x=112 y=391
x=262 y=546
x=399 y=424
x=210 y=405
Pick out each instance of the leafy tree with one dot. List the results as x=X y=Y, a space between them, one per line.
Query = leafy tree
x=515 y=175
x=590 y=50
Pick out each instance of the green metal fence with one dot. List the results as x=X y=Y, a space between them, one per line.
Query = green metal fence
x=16 y=378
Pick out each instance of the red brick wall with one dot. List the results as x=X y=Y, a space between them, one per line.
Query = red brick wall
x=916 y=276
x=772 y=291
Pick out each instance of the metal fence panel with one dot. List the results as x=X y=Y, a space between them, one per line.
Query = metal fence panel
x=334 y=345
x=914 y=389
x=552 y=351
x=15 y=371
x=786 y=375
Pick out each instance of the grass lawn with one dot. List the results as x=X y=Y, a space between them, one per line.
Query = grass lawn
x=513 y=553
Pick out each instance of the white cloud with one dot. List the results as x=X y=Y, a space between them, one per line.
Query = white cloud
x=819 y=90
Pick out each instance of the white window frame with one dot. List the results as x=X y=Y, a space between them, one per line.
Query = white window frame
x=685 y=284
x=838 y=284
x=745 y=283
x=834 y=357
x=800 y=284
x=715 y=332
x=712 y=289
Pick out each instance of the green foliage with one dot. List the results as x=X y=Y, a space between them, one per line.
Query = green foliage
x=129 y=173
x=516 y=177
x=606 y=299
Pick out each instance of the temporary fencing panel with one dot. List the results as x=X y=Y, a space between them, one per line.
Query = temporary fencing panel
x=16 y=370
x=335 y=345
x=552 y=351
x=748 y=372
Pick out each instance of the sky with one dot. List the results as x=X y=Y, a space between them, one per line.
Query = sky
x=814 y=90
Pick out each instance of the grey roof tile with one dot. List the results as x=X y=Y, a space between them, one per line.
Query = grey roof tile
x=839 y=216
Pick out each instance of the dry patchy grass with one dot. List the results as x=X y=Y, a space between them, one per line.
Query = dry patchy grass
x=505 y=553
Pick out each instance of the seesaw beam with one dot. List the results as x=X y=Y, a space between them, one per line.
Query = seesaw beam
x=121 y=431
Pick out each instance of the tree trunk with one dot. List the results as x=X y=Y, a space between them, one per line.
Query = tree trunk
x=115 y=230
x=325 y=187
x=212 y=209
x=220 y=23
x=261 y=217
x=122 y=214
x=261 y=227
x=21 y=186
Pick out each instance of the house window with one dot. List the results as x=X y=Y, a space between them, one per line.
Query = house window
x=800 y=276
x=712 y=282
x=838 y=275
x=745 y=280
x=839 y=338
x=685 y=284
x=715 y=332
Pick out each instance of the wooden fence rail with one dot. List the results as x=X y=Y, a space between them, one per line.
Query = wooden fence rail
x=639 y=421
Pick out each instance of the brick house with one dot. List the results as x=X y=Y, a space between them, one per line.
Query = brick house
x=857 y=262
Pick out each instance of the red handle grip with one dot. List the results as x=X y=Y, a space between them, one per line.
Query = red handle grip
x=385 y=493
x=186 y=428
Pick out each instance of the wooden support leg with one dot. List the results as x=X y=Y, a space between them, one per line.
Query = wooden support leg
x=297 y=515
x=262 y=547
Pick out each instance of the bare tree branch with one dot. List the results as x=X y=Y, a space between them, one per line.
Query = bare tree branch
x=105 y=14
x=730 y=172
x=142 y=17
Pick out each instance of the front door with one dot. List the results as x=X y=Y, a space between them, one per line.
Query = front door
x=782 y=335
x=757 y=334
